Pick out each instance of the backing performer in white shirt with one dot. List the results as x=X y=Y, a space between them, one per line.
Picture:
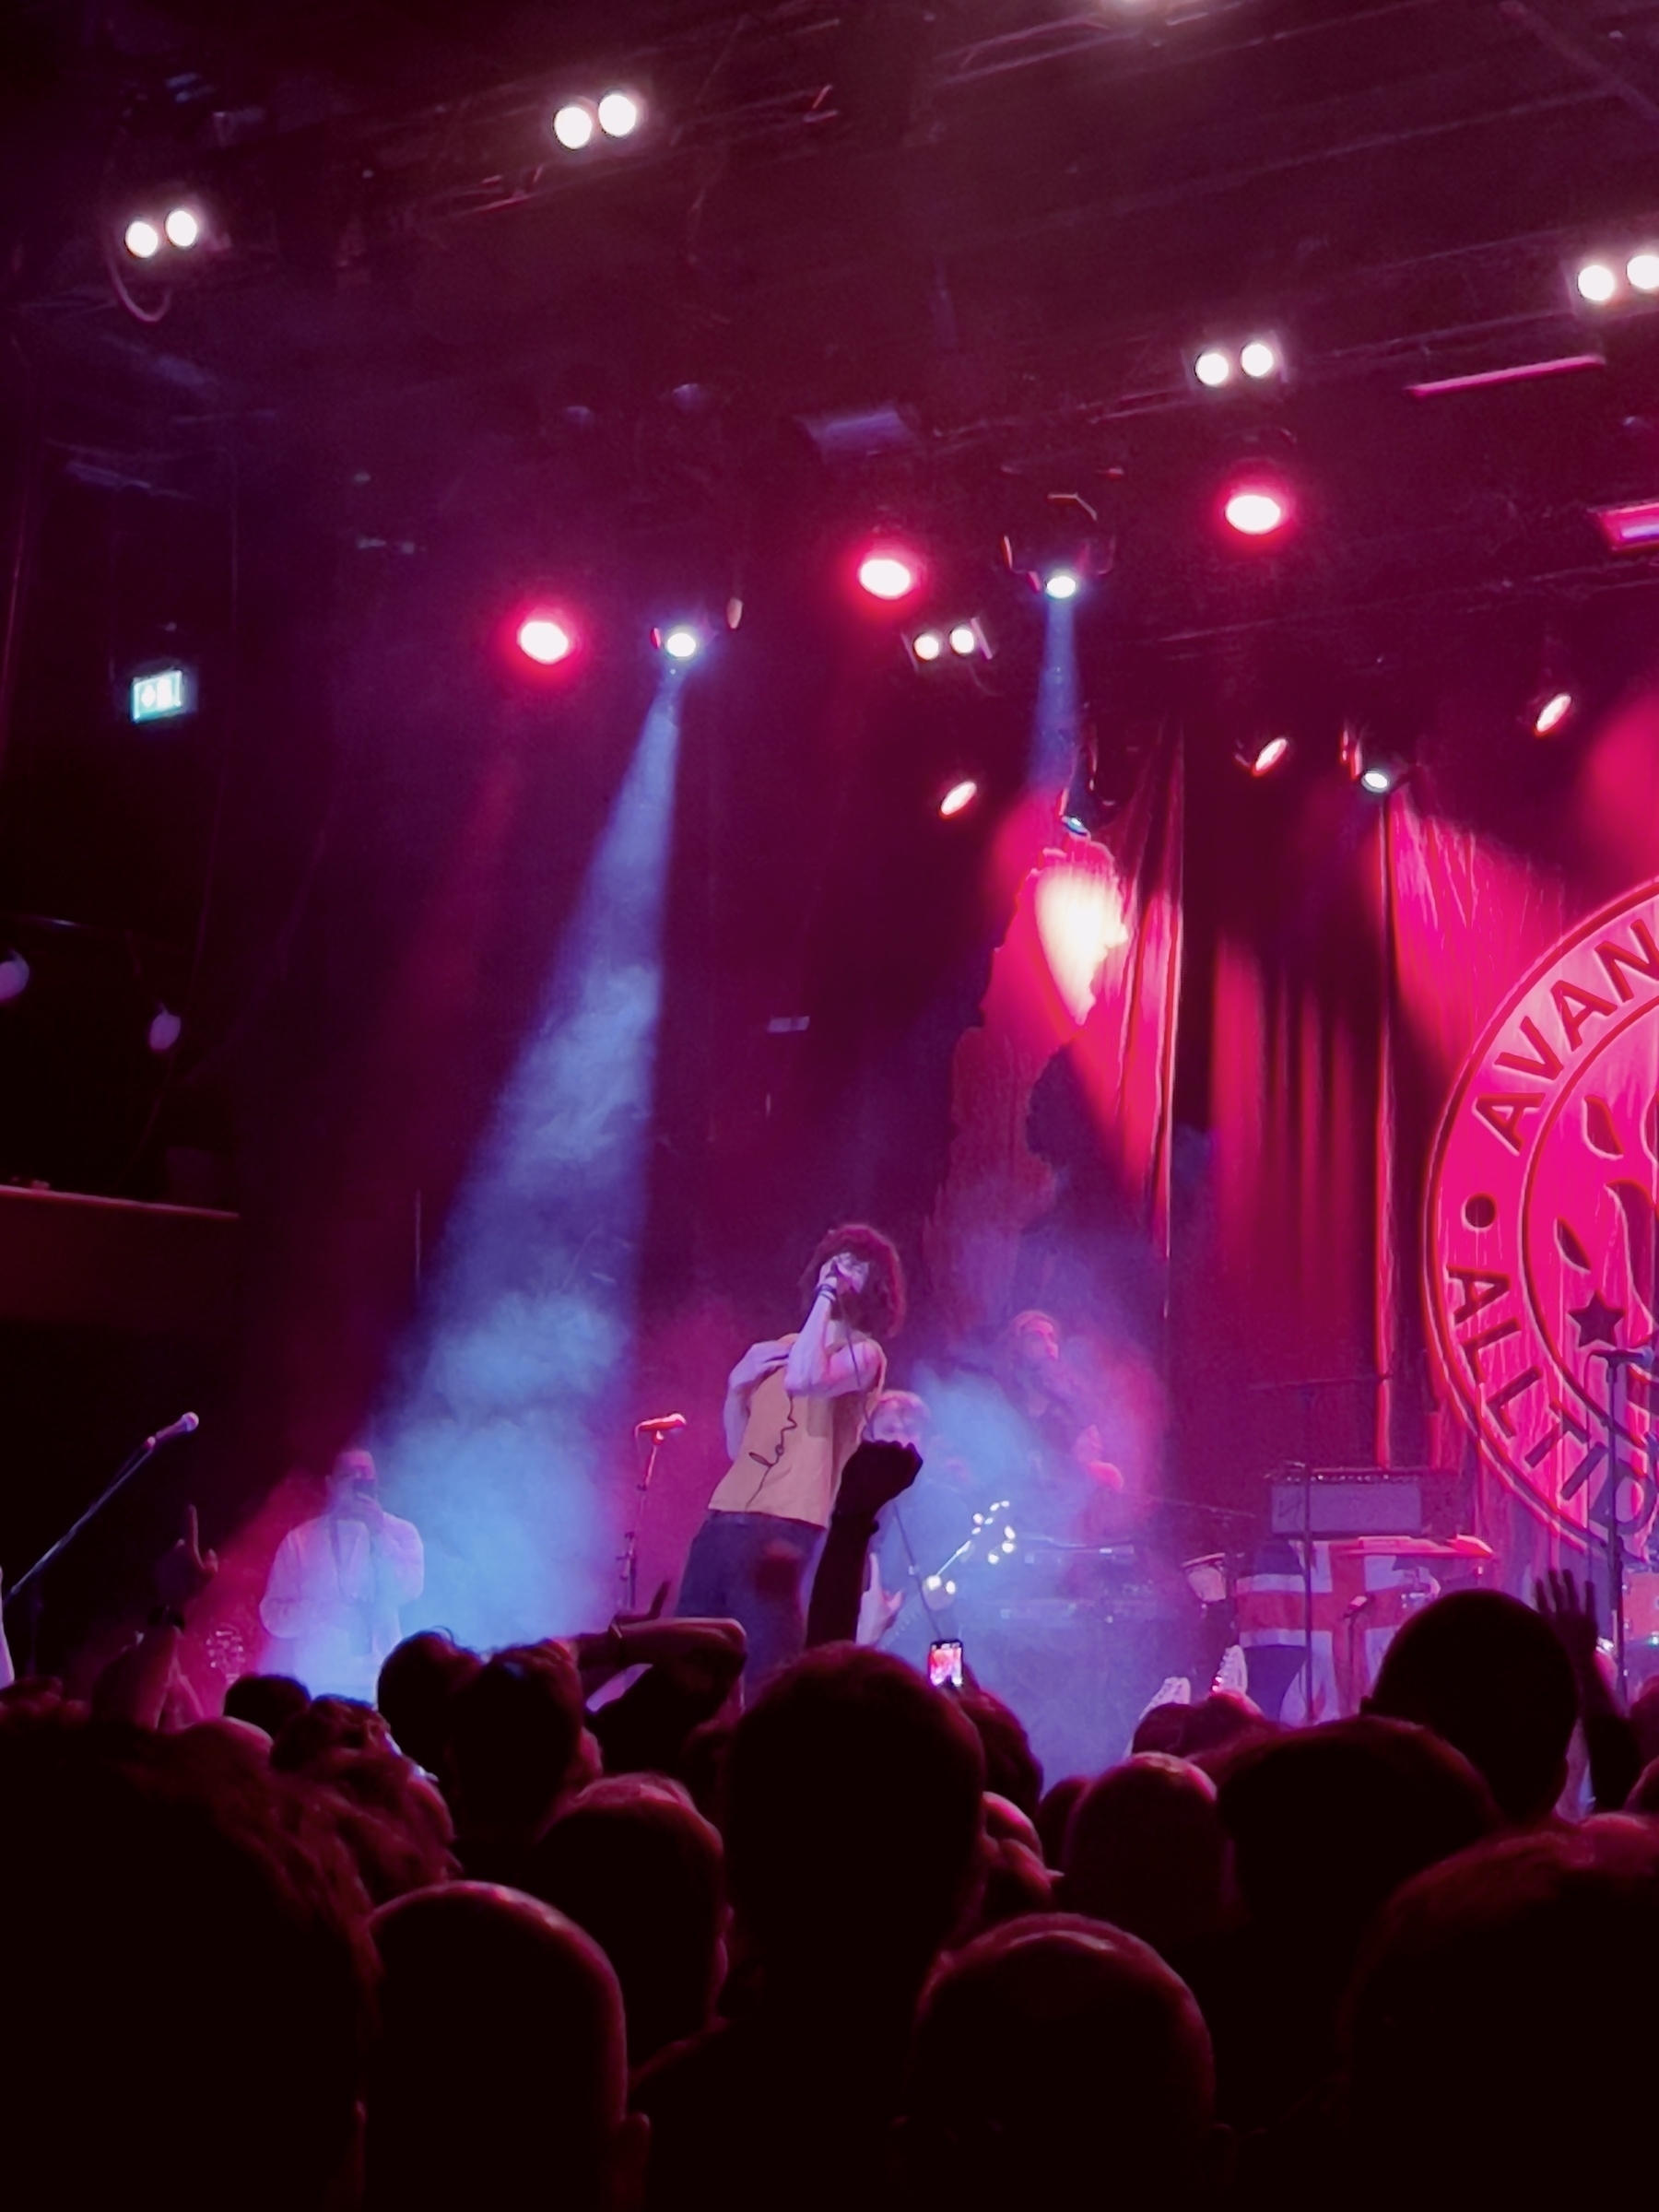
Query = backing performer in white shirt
x=330 y=1604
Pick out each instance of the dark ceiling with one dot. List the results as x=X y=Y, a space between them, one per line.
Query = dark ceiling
x=1009 y=218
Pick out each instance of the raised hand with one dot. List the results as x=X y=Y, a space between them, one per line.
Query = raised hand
x=184 y=1572
x=758 y=1362
x=633 y=1621
x=876 y=1474
x=1571 y=1613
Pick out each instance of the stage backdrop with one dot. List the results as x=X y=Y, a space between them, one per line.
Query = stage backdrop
x=1413 y=1203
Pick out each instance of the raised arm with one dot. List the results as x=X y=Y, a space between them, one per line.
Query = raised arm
x=815 y=1367
x=875 y=1474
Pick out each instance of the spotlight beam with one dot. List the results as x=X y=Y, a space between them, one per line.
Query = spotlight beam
x=500 y=1441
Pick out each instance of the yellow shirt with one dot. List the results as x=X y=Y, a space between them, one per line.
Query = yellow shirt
x=790 y=1461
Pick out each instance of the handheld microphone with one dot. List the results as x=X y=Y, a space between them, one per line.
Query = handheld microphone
x=664 y=1425
x=182 y=1426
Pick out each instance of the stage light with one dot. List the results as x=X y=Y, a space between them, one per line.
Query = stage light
x=184 y=227
x=927 y=645
x=1259 y=358
x=964 y=639
x=165 y=1029
x=1260 y=758
x=682 y=643
x=545 y=640
x=14 y=976
x=1213 y=368
x=143 y=241
x=888 y=574
x=1063 y=584
x=1628 y=529
x=1552 y=714
x=161 y=694
x=959 y=799
x=619 y=114
x=1379 y=777
x=573 y=125
x=1256 y=508
x=1596 y=282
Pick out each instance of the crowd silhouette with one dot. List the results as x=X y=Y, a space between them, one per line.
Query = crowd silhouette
x=824 y=1941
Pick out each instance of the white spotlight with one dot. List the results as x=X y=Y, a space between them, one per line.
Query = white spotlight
x=1642 y=269
x=573 y=125
x=682 y=643
x=142 y=239
x=1597 y=283
x=927 y=645
x=1213 y=368
x=964 y=639
x=1379 y=777
x=184 y=227
x=1062 y=584
x=955 y=801
x=619 y=114
x=1259 y=358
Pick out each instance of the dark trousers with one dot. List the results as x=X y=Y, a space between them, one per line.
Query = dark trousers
x=756 y=1568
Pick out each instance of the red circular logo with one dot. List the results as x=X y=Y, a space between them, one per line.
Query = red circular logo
x=1542 y=1243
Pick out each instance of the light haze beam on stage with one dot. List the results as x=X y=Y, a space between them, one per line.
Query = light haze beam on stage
x=508 y=1443
x=1055 y=727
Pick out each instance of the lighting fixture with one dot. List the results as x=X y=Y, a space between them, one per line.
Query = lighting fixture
x=544 y=640
x=886 y=572
x=1256 y=507
x=574 y=124
x=619 y=114
x=1261 y=757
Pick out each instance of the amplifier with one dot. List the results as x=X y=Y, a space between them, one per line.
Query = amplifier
x=1363 y=1501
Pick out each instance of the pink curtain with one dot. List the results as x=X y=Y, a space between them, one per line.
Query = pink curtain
x=1090 y=962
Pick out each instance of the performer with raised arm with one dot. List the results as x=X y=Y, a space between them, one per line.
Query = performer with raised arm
x=796 y=1408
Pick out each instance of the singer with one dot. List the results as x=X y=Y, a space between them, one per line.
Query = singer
x=330 y=1604
x=795 y=1408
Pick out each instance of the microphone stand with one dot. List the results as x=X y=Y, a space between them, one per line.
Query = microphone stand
x=629 y=1563
x=124 y=1474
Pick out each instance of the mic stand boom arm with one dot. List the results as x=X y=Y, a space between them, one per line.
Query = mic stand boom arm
x=129 y=1467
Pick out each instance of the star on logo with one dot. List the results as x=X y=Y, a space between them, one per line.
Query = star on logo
x=1597 y=1322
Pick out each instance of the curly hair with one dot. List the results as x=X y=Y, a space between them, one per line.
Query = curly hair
x=878 y=1308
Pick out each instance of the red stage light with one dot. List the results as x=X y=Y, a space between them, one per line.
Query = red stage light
x=1551 y=713
x=1256 y=507
x=544 y=640
x=888 y=572
x=1265 y=758
x=1628 y=529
